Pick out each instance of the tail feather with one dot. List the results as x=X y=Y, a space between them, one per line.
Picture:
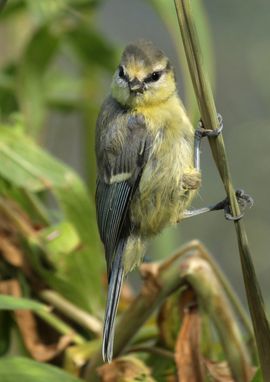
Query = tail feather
x=115 y=286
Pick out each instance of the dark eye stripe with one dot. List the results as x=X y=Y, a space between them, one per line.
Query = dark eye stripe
x=153 y=77
x=121 y=73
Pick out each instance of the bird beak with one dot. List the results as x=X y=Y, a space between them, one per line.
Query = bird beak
x=136 y=86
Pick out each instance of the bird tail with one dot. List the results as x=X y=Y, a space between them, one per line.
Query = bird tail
x=115 y=285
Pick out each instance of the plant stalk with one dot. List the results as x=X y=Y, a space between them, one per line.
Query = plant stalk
x=78 y=315
x=209 y=117
x=60 y=326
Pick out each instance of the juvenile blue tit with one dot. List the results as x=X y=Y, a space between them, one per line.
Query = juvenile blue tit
x=146 y=176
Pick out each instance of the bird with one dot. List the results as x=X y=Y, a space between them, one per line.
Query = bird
x=146 y=178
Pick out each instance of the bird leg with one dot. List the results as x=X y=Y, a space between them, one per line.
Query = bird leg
x=201 y=132
x=243 y=199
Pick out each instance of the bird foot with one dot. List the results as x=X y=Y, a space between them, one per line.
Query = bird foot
x=244 y=201
x=201 y=132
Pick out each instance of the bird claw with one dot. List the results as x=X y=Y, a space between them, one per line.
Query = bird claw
x=201 y=132
x=244 y=201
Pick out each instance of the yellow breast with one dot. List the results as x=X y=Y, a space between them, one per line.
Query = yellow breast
x=162 y=194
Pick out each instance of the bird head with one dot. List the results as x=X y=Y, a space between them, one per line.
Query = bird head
x=144 y=77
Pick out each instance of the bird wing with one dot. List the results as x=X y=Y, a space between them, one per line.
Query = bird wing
x=120 y=166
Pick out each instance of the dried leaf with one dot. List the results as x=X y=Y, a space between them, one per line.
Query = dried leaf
x=29 y=331
x=28 y=327
x=187 y=350
x=10 y=248
x=125 y=369
x=171 y=378
x=220 y=372
x=11 y=253
x=7 y=225
x=10 y=287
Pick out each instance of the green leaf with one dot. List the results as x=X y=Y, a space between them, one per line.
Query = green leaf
x=30 y=77
x=44 y=11
x=91 y=47
x=14 y=303
x=9 y=8
x=70 y=290
x=162 y=368
x=59 y=240
x=63 y=91
x=85 y=267
x=25 y=164
x=8 y=101
x=14 y=369
x=50 y=10
x=5 y=323
x=2 y=4
x=258 y=377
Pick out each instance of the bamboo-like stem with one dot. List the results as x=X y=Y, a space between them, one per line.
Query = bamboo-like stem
x=71 y=311
x=209 y=116
x=232 y=296
x=146 y=333
x=187 y=266
x=152 y=350
x=203 y=280
x=60 y=326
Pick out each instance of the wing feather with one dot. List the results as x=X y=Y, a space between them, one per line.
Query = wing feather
x=113 y=204
x=122 y=150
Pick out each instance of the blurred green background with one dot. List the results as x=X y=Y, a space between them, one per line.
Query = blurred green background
x=57 y=57
x=240 y=37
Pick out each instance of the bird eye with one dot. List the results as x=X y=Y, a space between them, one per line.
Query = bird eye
x=154 y=77
x=121 y=72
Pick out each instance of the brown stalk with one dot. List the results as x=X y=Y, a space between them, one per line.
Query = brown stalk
x=162 y=279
